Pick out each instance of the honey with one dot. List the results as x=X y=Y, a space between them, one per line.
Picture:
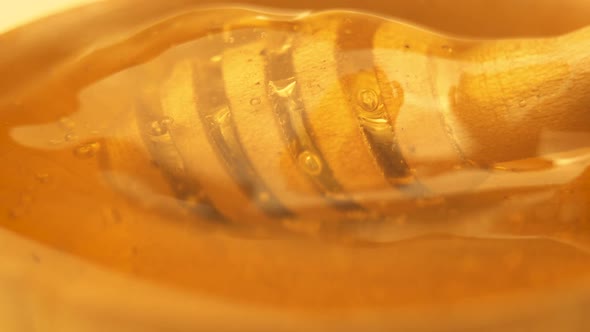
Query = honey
x=318 y=163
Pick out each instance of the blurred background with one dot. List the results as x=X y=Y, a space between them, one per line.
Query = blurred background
x=13 y=13
x=489 y=18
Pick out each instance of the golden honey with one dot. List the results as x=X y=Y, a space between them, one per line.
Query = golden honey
x=318 y=163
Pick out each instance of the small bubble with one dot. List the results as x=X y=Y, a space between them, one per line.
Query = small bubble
x=71 y=137
x=231 y=40
x=310 y=163
x=347 y=31
x=368 y=99
x=447 y=48
x=255 y=101
x=286 y=47
x=160 y=127
x=42 y=177
x=522 y=103
x=216 y=58
x=167 y=121
x=67 y=123
x=87 y=150
x=263 y=35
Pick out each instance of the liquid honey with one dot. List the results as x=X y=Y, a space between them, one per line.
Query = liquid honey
x=318 y=162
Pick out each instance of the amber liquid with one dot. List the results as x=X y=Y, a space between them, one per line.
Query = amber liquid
x=155 y=162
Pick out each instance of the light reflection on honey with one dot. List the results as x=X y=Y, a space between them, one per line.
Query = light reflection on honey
x=317 y=163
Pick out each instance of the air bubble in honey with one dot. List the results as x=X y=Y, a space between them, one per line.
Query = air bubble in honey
x=71 y=137
x=310 y=163
x=87 y=150
x=255 y=101
x=160 y=127
x=67 y=124
x=368 y=99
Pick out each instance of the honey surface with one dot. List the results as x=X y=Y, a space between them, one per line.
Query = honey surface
x=292 y=160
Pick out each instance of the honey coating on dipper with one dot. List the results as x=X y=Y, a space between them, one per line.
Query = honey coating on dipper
x=316 y=161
